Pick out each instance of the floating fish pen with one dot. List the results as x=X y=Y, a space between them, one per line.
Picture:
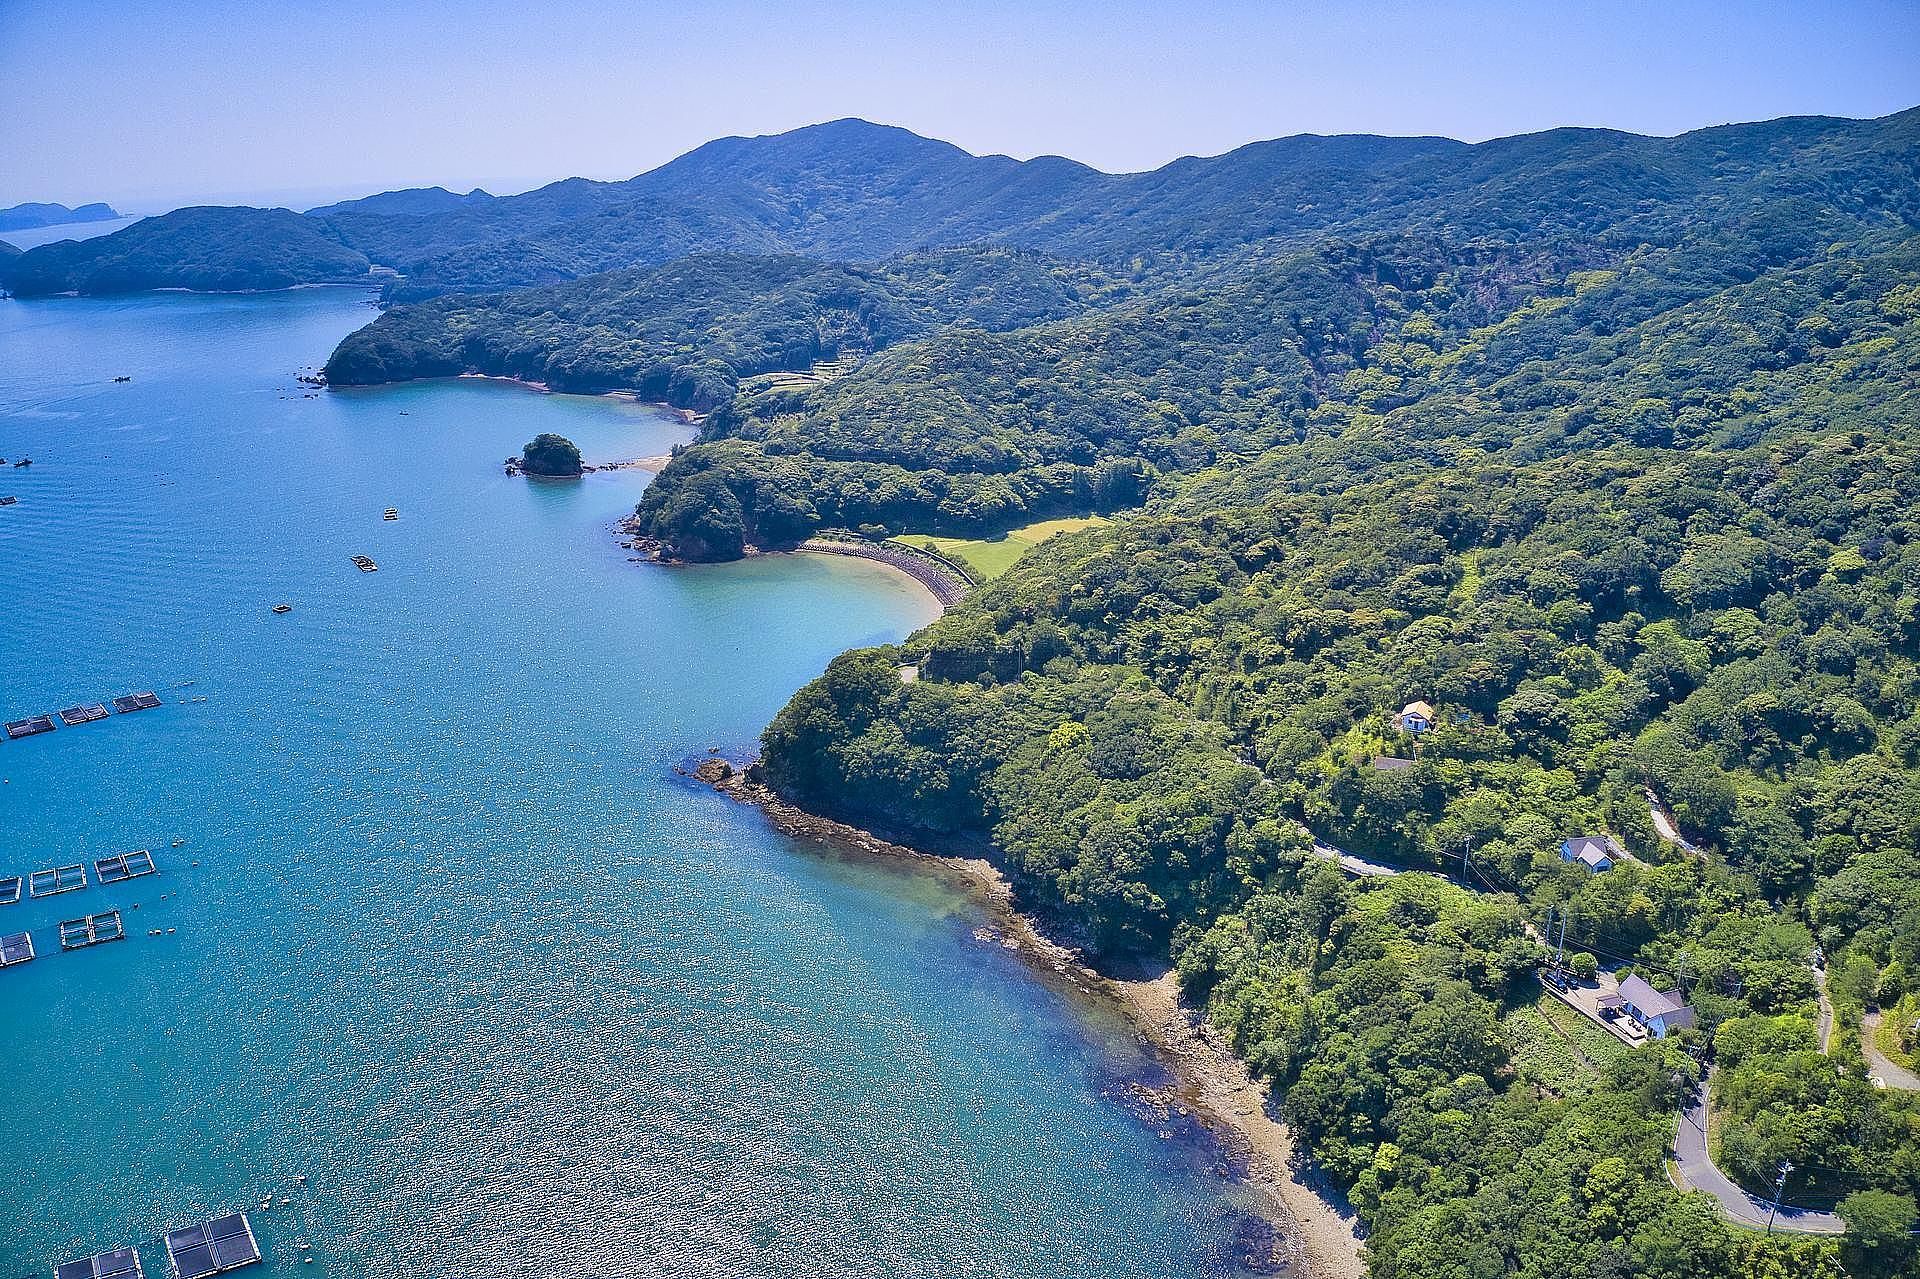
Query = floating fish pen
x=224 y=1244
x=118 y=1264
x=18 y=728
x=120 y=866
x=91 y=930
x=15 y=948
x=9 y=889
x=136 y=702
x=56 y=879
x=74 y=716
x=365 y=565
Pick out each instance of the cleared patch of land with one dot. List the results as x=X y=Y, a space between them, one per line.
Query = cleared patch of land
x=1557 y=1047
x=990 y=557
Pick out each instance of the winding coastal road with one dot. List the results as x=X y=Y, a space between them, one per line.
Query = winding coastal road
x=1697 y=1172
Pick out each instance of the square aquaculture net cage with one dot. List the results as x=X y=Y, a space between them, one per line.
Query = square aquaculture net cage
x=223 y=1244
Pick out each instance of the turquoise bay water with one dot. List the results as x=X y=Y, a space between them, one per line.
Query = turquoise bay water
x=447 y=937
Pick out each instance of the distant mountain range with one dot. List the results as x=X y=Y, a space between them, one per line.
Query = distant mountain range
x=851 y=190
x=25 y=216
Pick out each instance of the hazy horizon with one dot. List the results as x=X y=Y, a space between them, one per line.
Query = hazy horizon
x=149 y=106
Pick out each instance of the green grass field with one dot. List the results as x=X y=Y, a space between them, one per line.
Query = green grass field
x=992 y=557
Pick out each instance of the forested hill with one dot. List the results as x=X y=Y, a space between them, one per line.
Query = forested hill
x=854 y=190
x=207 y=248
x=686 y=333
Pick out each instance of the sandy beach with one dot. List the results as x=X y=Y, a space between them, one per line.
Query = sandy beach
x=1322 y=1236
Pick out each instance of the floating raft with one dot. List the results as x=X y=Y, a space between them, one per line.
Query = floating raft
x=117 y=1264
x=15 y=948
x=224 y=1244
x=365 y=565
x=91 y=930
x=9 y=890
x=111 y=870
x=56 y=879
x=74 y=716
x=18 y=728
x=136 y=702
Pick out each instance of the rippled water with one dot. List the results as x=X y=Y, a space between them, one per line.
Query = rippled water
x=446 y=935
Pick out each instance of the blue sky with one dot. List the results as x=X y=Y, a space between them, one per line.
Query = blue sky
x=151 y=104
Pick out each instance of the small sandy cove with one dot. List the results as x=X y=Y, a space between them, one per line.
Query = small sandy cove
x=1322 y=1234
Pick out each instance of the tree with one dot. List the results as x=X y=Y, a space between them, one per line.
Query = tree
x=704 y=521
x=1879 y=1231
x=550 y=454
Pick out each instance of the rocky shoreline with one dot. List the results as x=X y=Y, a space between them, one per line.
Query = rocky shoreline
x=1318 y=1234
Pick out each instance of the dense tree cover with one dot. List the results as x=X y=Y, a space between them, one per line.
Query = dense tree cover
x=688 y=332
x=1374 y=1006
x=1551 y=607
x=850 y=189
x=550 y=454
x=1325 y=367
x=1136 y=717
x=197 y=248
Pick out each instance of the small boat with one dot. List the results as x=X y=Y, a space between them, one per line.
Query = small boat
x=8 y=501
x=365 y=565
x=123 y=378
x=25 y=461
x=393 y=513
x=283 y=608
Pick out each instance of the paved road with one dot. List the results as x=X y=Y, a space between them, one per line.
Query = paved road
x=1352 y=863
x=1698 y=1172
x=1663 y=822
x=1878 y=1063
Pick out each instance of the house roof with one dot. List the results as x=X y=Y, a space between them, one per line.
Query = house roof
x=1391 y=763
x=1421 y=709
x=1653 y=1003
x=1593 y=848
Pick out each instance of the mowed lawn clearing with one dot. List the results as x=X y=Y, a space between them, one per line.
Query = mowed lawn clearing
x=990 y=557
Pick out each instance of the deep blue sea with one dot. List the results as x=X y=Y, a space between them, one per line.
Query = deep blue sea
x=446 y=935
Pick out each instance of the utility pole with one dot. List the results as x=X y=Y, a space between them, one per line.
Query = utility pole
x=1779 y=1188
x=1562 y=961
x=1465 y=851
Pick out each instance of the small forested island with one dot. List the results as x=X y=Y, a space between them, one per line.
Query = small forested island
x=551 y=455
x=27 y=216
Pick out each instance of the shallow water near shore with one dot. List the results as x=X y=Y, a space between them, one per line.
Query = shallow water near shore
x=446 y=936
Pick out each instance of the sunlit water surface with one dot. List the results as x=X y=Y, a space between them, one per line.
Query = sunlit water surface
x=446 y=936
